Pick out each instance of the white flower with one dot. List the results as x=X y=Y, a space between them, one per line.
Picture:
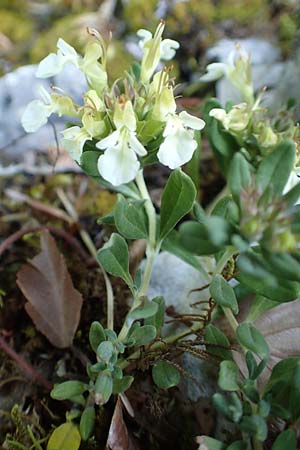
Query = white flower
x=74 y=140
x=89 y=65
x=237 y=69
x=155 y=49
x=37 y=112
x=119 y=163
x=179 y=144
x=237 y=119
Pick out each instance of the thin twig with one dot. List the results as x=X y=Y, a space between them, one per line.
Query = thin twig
x=26 y=367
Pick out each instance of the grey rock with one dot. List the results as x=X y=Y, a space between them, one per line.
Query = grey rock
x=17 y=89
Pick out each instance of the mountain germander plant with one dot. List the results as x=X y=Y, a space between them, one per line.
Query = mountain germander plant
x=251 y=234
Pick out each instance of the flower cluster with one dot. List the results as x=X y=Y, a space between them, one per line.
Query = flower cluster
x=122 y=121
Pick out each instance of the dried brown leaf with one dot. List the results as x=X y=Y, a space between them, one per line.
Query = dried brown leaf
x=118 y=435
x=53 y=303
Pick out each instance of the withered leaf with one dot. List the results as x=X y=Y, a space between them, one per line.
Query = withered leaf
x=118 y=436
x=53 y=303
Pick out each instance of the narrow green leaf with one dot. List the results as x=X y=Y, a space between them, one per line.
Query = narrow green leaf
x=103 y=387
x=223 y=294
x=165 y=375
x=130 y=218
x=68 y=389
x=87 y=422
x=177 y=200
x=275 y=168
x=229 y=376
x=239 y=176
x=252 y=339
x=114 y=258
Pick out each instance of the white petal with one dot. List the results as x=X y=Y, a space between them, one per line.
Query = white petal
x=118 y=165
x=74 y=140
x=35 y=116
x=168 y=49
x=71 y=133
x=49 y=66
x=214 y=72
x=144 y=36
x=218 y=113
x=191 y=121
x=136 y=145
x=67 y=50
x=109 y=141
x=177 y=150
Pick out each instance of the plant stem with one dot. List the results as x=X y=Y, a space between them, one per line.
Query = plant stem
x=231 y=319
x=152 y=248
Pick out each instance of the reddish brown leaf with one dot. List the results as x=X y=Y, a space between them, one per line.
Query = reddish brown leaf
x=118 y=436
x=53 y=303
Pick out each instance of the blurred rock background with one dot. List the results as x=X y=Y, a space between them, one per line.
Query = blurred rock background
x=206 y=29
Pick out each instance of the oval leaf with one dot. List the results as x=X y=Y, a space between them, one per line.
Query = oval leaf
x=87 y=422
x=223 y=294
x=250 y=338
x=114 y=258
x=165 y=375
x=130 y=218
x=65 y=437
x=177 y=200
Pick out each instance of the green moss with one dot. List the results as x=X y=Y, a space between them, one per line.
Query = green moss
x=140 y=14
x=242 y=12
x=287 y=31
x=15 y=26
x=185 y=14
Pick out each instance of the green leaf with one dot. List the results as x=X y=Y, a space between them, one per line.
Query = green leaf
x=223 y=144
x=122 y=384
x=211 y=443
x=275 y=168
x=286 y=440
x=229 y=376
x=87 y=422
x=172 y=244
x=223 y=294
x=114 y=258
x=239 y=176
x=65 y=437
x=68 y=389
x=255 y=426
x=216 y=337
x=105 y=351
x=283 y=265
x=258 y=306
x=252 y=339
x=218 y=230
x=143 y=335
x=159 y=317
x=284 y=387
x=165 y=375
x=130 y=218
x=194 y=238
x=103 y=387
x=96 y=335
x=145 y=309
x=237 y=445
x=177 y=200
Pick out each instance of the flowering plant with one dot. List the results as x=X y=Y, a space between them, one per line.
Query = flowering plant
x=250 y=234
